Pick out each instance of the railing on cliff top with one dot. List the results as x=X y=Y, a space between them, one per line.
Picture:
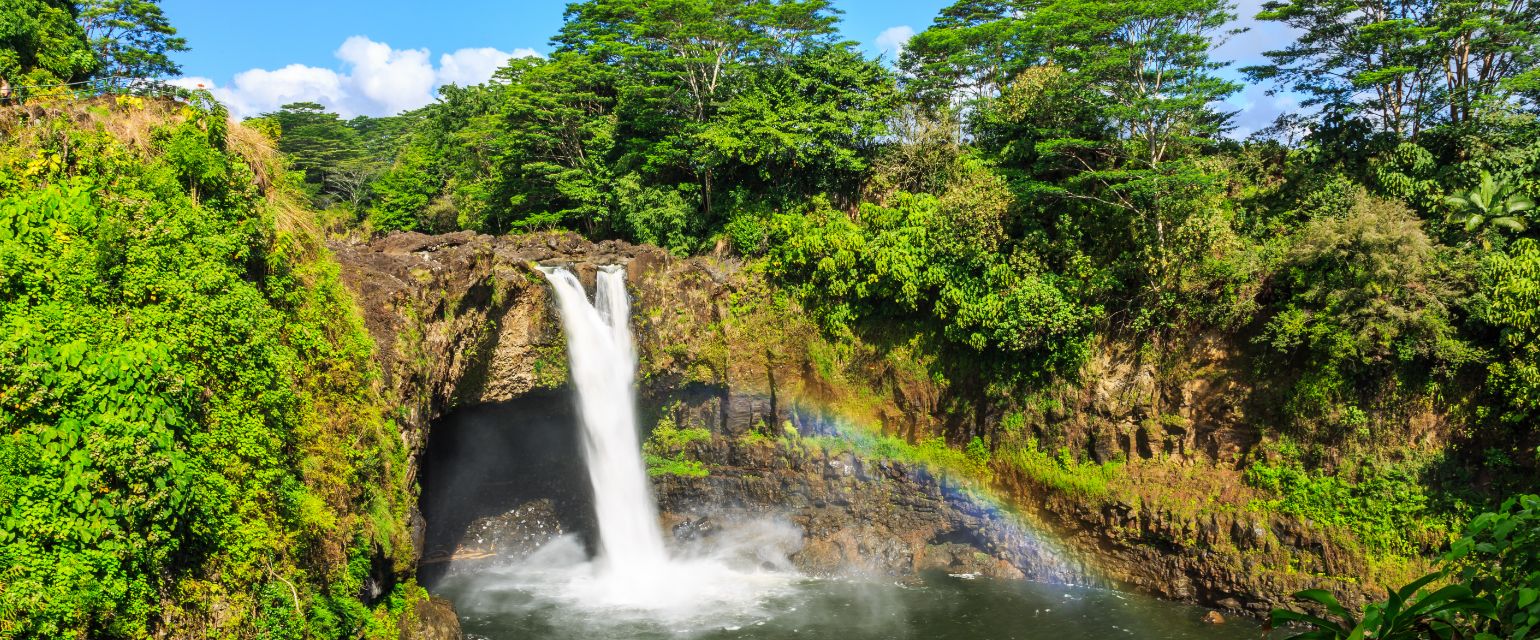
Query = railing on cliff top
x=87 y=89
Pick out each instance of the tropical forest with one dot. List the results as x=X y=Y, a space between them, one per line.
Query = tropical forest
x=711 y=319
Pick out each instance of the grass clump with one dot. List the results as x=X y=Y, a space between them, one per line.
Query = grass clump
x=932 y=453
x=664 y=450
x=1062 y=472
x=1384 y=507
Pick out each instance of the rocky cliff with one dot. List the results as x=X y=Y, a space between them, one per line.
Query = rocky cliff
x=462 y=320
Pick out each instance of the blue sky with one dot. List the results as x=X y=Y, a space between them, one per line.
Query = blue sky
x=378 y=57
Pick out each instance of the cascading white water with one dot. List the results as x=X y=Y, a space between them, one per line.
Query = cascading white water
x=603 y=369
x=633 y=580
x=737 y=578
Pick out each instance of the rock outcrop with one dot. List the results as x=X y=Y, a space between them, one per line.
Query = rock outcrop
x=865 y=517
x=462 y=320
x=855 y=517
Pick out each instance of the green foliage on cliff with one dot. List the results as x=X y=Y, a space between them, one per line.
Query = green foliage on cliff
x=1062 y=472
x=1368 y=304
x=664 y=450
x=1488 y=588
x=47 y=44
x=1514 y=281
x=925 y=260
x=188 y=431
x=1386 y=509
x=41 y=43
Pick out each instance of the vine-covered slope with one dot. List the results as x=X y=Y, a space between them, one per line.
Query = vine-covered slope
x=191 y=442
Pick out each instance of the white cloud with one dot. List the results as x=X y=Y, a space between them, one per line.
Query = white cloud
x=474 y=66
x=1246 y=48
x=892 y=40
x=257 y=90
x=384 y=81
x=374 y=79
x=1255 y=109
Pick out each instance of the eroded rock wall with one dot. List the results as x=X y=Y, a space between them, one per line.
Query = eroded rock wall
x=464 y=319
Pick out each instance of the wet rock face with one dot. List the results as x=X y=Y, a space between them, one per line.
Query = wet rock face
x=1224 y=560
x=515 y=534
x=857 y=517
x=499 y=481
x=463 y=321
x=434 y=619
x=854 y=518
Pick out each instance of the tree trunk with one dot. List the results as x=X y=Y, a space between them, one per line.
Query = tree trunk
x=706 y=196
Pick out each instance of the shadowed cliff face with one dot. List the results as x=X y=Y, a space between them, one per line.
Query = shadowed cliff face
x=517 y=461
x=500 y=480
x=466 y=329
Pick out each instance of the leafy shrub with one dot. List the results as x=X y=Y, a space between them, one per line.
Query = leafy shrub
x=1513 y=280
x=402 y=194
x=1495 y=594
x=921 y=262
x=664 y=450
x=1363 y=298
x=1385 y=508
x=1499 y=558
x=657 y=215
x=186 y=417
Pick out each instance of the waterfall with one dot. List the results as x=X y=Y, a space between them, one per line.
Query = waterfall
x=603 y=372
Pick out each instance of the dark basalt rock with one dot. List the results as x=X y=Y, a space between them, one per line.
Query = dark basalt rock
x=858 y=516
x=434 y=619
x=463 y=320
x=500 y=538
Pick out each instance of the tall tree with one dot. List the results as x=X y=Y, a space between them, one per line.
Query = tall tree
x=683 y=55
x=1150 y=61
x=806 y=126
x=40 y=44
x=1493 y=51
x=131 y=38
x=973 y=47
x=315 y=141
x=557 y=143
x=1146 y=64
x=693 y=44
x=1100 y=106
x=1353 y=57
x=1405 y=65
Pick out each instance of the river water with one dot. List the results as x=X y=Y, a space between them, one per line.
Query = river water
x=940 y=607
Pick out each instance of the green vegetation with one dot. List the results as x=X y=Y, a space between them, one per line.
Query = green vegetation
x=132 y=39
x=631 y=128
x=1386 y=509
x=189 y=434
x=47 y=43
x=1038 y=181
x=1488 y=588
x=931 y=453
x=664 y=450
x=1062 y=472
x=1038 y=189
x=41 y=44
